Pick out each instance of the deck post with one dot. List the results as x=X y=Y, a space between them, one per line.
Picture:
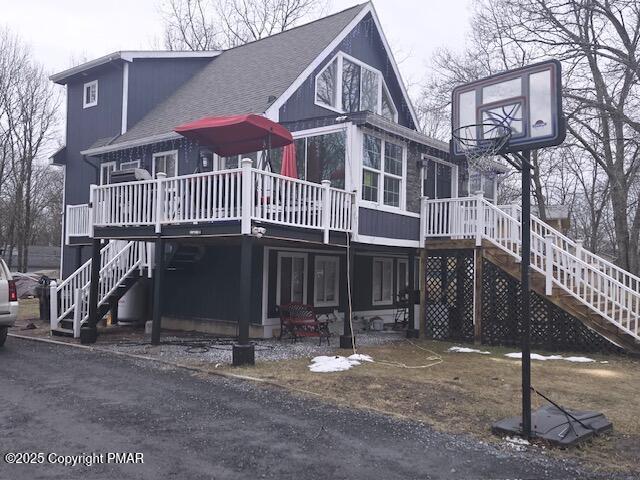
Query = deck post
x=158 y=276
x=53 y=305
x=243 y=351
x=347 y=339
x=479 y=218
x=326 y=209
x=92 y=209
x=548 y=263
x=422 y=321
x=423 y=221
x=477 y=295
x=89 y=332
x=160 y=177
x=247 y=197
x=412 y=331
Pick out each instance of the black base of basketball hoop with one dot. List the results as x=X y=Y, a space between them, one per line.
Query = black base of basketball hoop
x=558 y=426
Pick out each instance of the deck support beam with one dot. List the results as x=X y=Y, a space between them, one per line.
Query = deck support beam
x=89 y=331
x=477 y=296
x=158 y=276
x=412 y=331
x=243 y=351
x=347 y=339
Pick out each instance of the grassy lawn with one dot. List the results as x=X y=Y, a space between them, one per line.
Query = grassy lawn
x=465 y=393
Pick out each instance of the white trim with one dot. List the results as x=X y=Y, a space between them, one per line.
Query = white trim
x=273 y=112
x=125 y=98
x=384 y=260
x=163 y=154
x=290 y=254
x=129 y=56
x=374 y=206
x=336 y=288
x=391 y=242
x=396 y=70
x=63 y=219
x=381 y=172
x=339 y=59
x=162 y=137
x=129 y=164
x=85 y=104
x=103 y=166
x=314 y=132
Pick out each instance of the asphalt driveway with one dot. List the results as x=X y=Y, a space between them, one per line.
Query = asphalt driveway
x=68 y=401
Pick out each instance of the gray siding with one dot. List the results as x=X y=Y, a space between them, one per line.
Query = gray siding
x=379 y=223
x=365 y=44
x=151 y=81
x=84 y=127
x=210 y=289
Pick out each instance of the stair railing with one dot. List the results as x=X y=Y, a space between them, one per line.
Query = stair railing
x=596 y=283
x=118 y=259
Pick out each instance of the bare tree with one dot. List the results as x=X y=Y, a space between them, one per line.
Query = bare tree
x=220 y=24
x=28 y=113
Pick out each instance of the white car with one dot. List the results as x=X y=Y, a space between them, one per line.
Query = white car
x=8 y=301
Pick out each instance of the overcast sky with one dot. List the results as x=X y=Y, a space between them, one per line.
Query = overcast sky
x=61 y=31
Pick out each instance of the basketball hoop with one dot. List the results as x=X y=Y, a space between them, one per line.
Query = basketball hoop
x=480 y=151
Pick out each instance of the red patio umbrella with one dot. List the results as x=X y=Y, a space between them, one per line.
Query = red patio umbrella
x=289 y=167
x=236 y=134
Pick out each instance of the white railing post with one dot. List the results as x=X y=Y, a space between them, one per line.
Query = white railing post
x=247 y=197
x=479 y=218
x=53 y=305
x=578 y=270
x=92 y=208
x=326 y=209
x=548 y=259
x=77 y=312
x=160 y=180
x=423 y=221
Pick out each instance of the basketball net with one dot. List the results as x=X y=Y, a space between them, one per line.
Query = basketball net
x=481 y=152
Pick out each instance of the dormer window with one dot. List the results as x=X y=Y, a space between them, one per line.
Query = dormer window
x=90 y=96
x=349 y=85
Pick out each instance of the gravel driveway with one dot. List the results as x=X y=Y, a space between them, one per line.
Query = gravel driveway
x=70 y=401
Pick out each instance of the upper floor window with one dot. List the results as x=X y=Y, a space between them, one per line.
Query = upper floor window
x=348 y=85
x=320 y=157
x=165 y=162
x=383 y=171
x=90 y=95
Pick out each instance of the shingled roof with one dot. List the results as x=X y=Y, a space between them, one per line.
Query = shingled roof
x=242 y=79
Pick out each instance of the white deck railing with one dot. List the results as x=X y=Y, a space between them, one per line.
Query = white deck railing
x=604 y=288
x=77 y=221
x=244 y=194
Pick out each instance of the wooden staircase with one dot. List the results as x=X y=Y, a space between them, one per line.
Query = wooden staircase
x=603 y=296
x=562 y=299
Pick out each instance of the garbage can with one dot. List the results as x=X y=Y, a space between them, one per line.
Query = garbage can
x=44 y=296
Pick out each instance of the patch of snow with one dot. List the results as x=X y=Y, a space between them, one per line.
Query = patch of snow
x=326 y=364
x=579 y=359
x=604 y=361
x=536 y=356
x=360 y=357
x=468 y=350
x=517 y=443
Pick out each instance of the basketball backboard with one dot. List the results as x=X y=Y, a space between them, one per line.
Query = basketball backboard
x=528 y=100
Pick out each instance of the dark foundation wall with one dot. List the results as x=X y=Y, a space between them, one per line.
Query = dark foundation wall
x=210 y=288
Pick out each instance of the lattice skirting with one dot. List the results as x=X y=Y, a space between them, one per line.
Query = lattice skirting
x=551 y=327
x=449 y=295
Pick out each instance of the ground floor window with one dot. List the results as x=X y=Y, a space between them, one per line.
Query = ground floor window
x=326 y=281
x=403 y=275
x=292 y=278
x=382 y=281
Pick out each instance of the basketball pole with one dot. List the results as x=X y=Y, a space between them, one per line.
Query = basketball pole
x=525 y=308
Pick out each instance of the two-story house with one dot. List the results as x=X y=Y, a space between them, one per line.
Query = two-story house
x=225 y=240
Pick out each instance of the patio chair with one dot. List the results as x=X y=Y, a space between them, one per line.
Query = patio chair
x=300 y=320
